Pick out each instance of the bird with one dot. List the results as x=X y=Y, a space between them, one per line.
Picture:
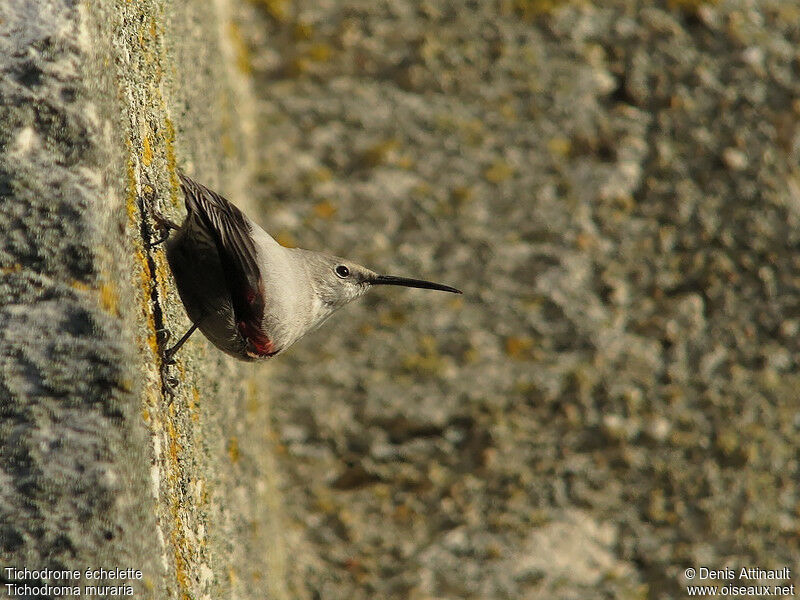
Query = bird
x=250 y=296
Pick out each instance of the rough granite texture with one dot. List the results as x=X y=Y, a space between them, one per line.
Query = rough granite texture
x=107 y=459
x=615 y=186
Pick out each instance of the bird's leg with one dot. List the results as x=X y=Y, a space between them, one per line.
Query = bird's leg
x=164 y=226
x=169 y=353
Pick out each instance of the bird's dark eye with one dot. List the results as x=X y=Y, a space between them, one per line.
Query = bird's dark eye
x=342 y=271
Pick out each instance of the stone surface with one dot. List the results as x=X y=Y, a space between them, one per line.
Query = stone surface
x=615 y=187
x=106 y=459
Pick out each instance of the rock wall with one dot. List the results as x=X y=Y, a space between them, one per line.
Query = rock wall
x=108 y=459
x=614 y=184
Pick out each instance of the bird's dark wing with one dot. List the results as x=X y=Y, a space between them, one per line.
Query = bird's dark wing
x=232 y=232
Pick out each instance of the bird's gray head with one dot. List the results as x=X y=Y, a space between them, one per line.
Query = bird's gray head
x=338 y=281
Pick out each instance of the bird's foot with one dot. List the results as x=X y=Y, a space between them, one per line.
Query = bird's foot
x=168 y=380
x=167 y=354
x=164 y=226
x=162 y=336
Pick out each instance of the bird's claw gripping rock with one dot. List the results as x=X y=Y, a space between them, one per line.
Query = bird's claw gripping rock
x=164 y=226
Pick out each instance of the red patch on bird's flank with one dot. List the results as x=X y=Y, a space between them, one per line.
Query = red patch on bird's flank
x=251 y=296
x=261 y=344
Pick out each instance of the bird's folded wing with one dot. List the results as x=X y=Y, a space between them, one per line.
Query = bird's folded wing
x=233 y=235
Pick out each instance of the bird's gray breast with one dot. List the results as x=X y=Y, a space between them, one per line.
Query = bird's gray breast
x=289 y=307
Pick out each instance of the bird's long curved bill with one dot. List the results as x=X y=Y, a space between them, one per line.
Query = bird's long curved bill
x=415 y=283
